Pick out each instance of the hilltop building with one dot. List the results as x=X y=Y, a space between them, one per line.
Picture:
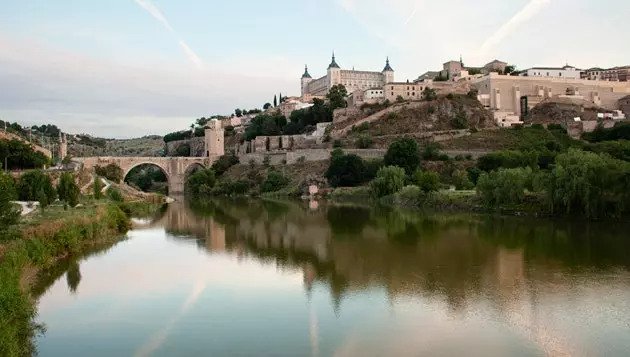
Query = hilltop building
x=553 y=72
x=63 y=146
x=351 y=79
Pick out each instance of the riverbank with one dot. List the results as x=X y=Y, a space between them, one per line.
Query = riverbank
x=37 y=243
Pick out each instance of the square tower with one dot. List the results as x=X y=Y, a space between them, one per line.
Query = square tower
x=214 y=140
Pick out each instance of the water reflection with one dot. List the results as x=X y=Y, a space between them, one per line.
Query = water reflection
x=293 y=279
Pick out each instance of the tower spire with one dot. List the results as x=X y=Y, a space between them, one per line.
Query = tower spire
x=333 y=63
x=387 y=66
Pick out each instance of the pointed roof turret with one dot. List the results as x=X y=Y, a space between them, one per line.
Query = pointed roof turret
x=333 y=64
x=387 y=66
x=306 y=74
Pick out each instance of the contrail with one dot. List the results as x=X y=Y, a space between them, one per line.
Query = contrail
x=526 y=13
x=157 y=14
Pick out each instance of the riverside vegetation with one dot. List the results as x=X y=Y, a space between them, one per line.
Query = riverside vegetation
x=57 y=230
x=551 y=174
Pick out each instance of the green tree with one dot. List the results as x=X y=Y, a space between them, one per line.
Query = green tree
x=238 y=112
x=428 y=181
x=97 y=188
x=115 y=195
x=111 y=172
x=403 y=153
x=223 y=163
x=67 y=190
x=460 y=121
x=364 y=142
x=462 y=180
x=202 y=180
x=400 y=99
x=504 y=186
x=429 y=94
x=183 y=150
x=510 y=70
x=36 y=186
x=275 y=181
x=337 y=96
x=66 y=160
x=431 y=151
x=275 y=101
x=9 y=215
x=389 y=180
x=345 y=170
x=267 y=106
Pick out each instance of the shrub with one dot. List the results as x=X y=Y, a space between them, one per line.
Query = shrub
x=429 y=94
x=337 y=143
x=430 y=109
x=67 y=190
x=36 y=186
x=9 y=215
x=252 y=164
x=183 y=150
x=462 y=181
x=504 y=186
x=472 y=93
x=111 y=172
x=275 y=181
x=403 y=153
x=345 y=170
x=389 y=180
x=460 y=121
x=371 y=168
x=115 y=195
x=223 y=163
x=400 y=99
x=473 y=174
x=410 y=193
x=507 y=159
x=267 y=160
x=364 y=142
x=392 y=116
x=97 y=188
x=428 y=181
x=301 y=159
x=431 y=151
x=450 y=96
x=204 y=178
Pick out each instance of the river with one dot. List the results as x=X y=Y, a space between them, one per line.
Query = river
x=296 y=279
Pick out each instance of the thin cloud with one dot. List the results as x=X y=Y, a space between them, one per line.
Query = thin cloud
x=157 y=14
x=525 y=14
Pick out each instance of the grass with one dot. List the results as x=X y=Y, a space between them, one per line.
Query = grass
x=40 y=241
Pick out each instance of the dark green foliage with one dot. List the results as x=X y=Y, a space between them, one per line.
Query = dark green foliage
x=267 y=160
x=589 y=184
x=621 y=131
x=619 y=149
x=364 y=142
x=36 y=186
x=507 y=159
x=148 y=178
x=302 y=120
x=462 y=180
x=473 y=93
x=400 y=99
x=231 y=188
x=9 y=215
x=97 y=188
x=223 y=164
x=265 y=125
x=201 y=181
x=403 y=153
x=450 y=96
x=429 y=94
x=67 y=190
x=337 y=96
x=338 y=143
x=179 y=135
x=389 y=180
x=460 y=121
x=473 y=174
x=183 y=150
x=275 y=182
x=430 y=109
x=504 y=186
x=345 y=170
x=371 y=168
x=275 y=101
x=20 y=156
x=111 y=172
x=266 y=106
x=115 y=195
x=428 y=181
x=431 y=151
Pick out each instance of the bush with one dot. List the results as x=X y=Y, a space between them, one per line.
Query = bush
x=410 y=193
x=504 y=186
x=431 y=151
x=428 y=181
x=507 y=159
x=97 y=188
x=400 y=99
x=429 y=94
x=275 y=181
x=430 y=109
x=36 y=186
x=392 y=116
x=67 y=190
x=460 y=121
x=371 y=168
x=111 y=172
x=337 y=144
x=389 y=180
x=223 y=164
x=472 y=93
x=202 y=180
x=267 y=160
x=403 y=153
x=183 y=150
x=301 y=159
x=345 y=170
x=450 y=96
x=9 y=215
x=462 y=180
x=473 y=174
x=115 y=195
x=364 y=142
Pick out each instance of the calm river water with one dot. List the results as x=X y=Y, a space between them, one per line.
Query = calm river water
x=293 y=279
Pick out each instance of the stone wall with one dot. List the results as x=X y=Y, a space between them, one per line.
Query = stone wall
x=343 y=114
x=576 y=129
x=197 y=146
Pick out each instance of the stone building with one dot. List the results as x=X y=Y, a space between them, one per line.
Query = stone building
x=555 y=72
x=351 y=79
x=63 y=146
x=214 y=140
x=621 y=74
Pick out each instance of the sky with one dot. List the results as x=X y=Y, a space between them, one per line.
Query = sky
x=129 y=68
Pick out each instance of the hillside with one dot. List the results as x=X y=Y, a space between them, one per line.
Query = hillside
x=562 y=111
x=84 y=145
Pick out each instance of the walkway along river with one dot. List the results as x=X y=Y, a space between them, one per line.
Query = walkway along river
x=282 y=279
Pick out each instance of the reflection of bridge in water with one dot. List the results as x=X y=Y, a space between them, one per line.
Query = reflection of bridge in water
x=349 y=253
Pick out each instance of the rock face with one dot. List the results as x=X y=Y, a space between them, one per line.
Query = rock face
x=563 y=112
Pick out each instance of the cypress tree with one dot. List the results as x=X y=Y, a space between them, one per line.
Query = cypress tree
x=275 y=101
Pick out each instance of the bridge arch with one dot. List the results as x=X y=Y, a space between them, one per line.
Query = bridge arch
x=149 y=180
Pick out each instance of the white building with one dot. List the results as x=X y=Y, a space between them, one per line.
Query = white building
x=553 y=72
x=351 y=79
x=374 y=93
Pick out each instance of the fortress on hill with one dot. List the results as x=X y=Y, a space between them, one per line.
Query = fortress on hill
x=351 y=79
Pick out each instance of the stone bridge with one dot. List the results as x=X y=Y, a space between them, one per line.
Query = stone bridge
x=176 y=169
